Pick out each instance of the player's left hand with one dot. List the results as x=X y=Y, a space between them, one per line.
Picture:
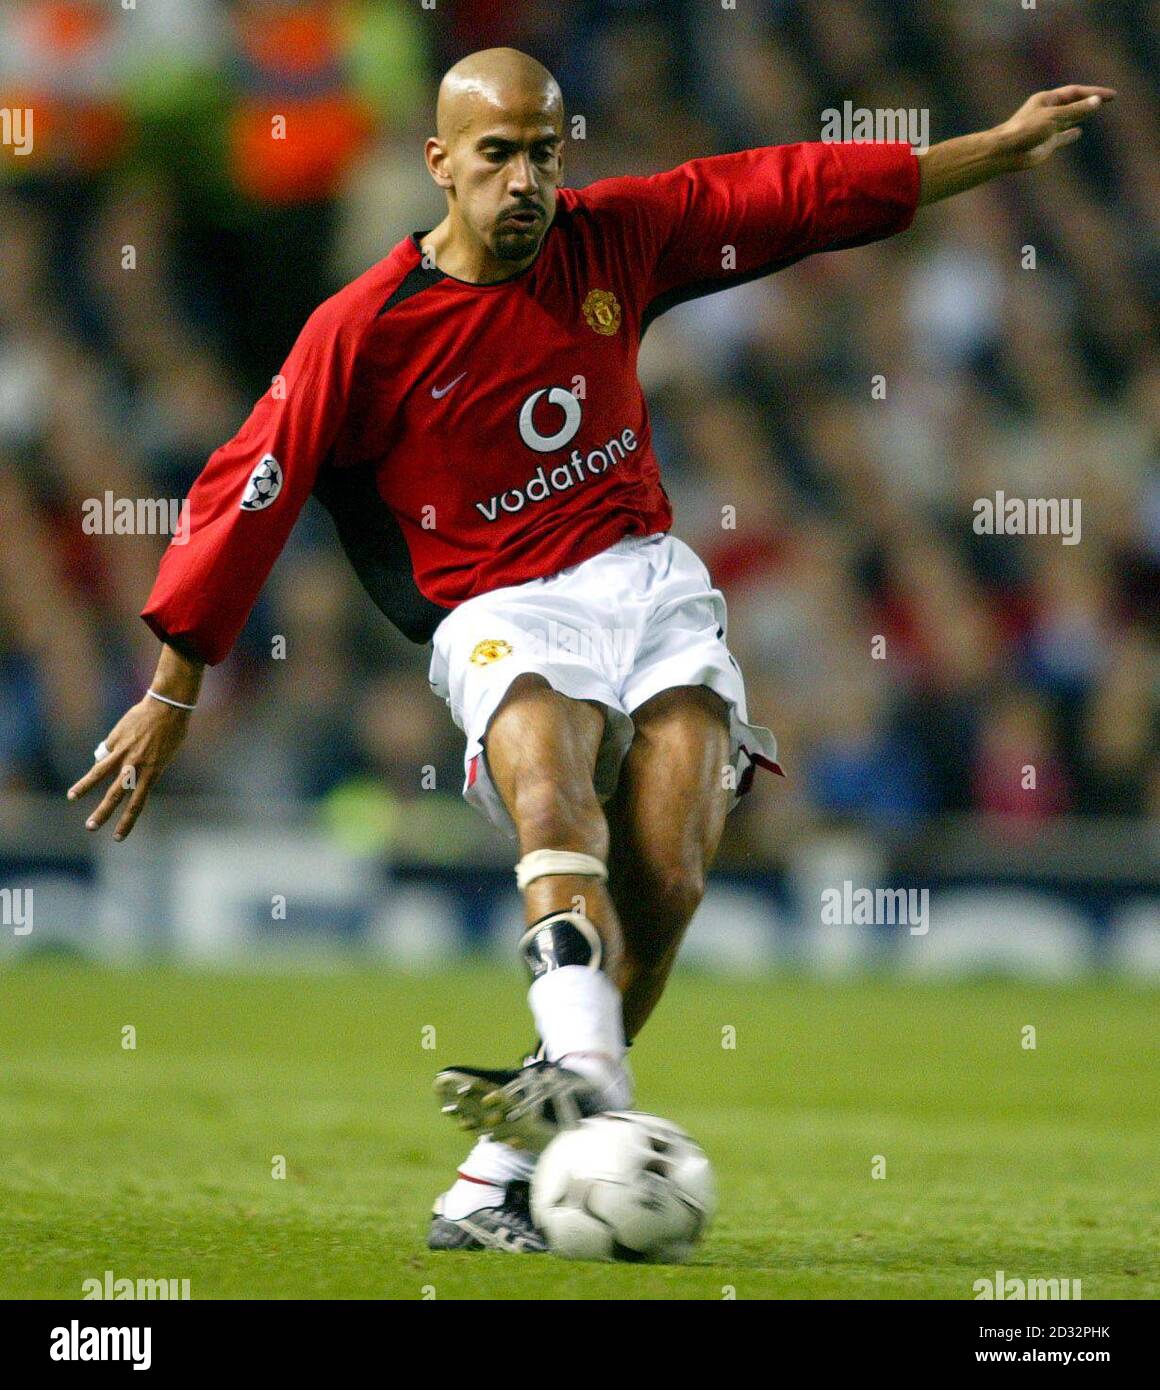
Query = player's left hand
x=134 y=753
x=1045 y=122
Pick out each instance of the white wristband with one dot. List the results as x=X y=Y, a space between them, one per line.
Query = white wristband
x=165 y=700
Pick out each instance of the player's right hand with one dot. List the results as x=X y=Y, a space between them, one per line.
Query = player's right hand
x=135 y=751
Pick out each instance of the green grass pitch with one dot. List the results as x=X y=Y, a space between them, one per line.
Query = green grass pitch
x=157 y=1162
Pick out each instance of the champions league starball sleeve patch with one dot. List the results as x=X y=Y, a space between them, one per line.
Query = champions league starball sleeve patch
x=264 y=486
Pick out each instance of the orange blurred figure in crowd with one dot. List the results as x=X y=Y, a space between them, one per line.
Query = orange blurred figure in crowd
x=297 y=125
x=61 y=55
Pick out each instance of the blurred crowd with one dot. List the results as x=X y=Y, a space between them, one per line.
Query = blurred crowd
x=158 y=254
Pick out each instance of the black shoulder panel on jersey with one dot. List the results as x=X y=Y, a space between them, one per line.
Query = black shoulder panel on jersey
x=375 y=545
x=416 y=279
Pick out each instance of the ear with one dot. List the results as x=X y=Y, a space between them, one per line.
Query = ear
x=436 y=154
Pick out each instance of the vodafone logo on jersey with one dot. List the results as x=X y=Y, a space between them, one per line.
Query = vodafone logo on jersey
x=545 y=443
x=577 y=468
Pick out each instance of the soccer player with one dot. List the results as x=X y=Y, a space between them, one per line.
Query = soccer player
x=469 y=411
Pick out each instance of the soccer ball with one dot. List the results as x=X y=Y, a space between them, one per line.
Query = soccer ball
x=623 y=1186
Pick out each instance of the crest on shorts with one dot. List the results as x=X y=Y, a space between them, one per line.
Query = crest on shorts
x=489 y=650
x=602 y=310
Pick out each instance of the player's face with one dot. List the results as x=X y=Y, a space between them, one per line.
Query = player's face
x=506 y=180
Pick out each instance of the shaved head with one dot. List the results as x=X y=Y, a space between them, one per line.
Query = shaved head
x=493 y=82
x=498 y=155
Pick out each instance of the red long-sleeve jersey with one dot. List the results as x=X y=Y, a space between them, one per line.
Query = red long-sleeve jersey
x=492 y=434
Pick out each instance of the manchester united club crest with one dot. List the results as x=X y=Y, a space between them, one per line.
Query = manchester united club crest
x=489 y=650
x=602 y=310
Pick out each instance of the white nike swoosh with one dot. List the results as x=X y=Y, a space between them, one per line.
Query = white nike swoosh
x=439 y=394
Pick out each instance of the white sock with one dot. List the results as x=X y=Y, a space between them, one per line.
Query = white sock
x=466 y=1195
x=579 y=1016
x=483 y=1176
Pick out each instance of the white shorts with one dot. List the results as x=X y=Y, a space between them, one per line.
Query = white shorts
x=639 y=618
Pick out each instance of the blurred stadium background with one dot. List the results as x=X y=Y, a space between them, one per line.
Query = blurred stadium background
x=297 y=813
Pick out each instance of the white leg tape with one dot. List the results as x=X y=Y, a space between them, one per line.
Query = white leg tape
x=542 y=862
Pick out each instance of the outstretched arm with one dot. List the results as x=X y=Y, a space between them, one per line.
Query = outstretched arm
x=240 y=511
x=138 y=748
x=1040 y=126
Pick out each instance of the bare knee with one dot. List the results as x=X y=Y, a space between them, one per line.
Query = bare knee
x=542 y=750
x=678 y=890
x=550 y=814
x=661 y=899
x=657 y=908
